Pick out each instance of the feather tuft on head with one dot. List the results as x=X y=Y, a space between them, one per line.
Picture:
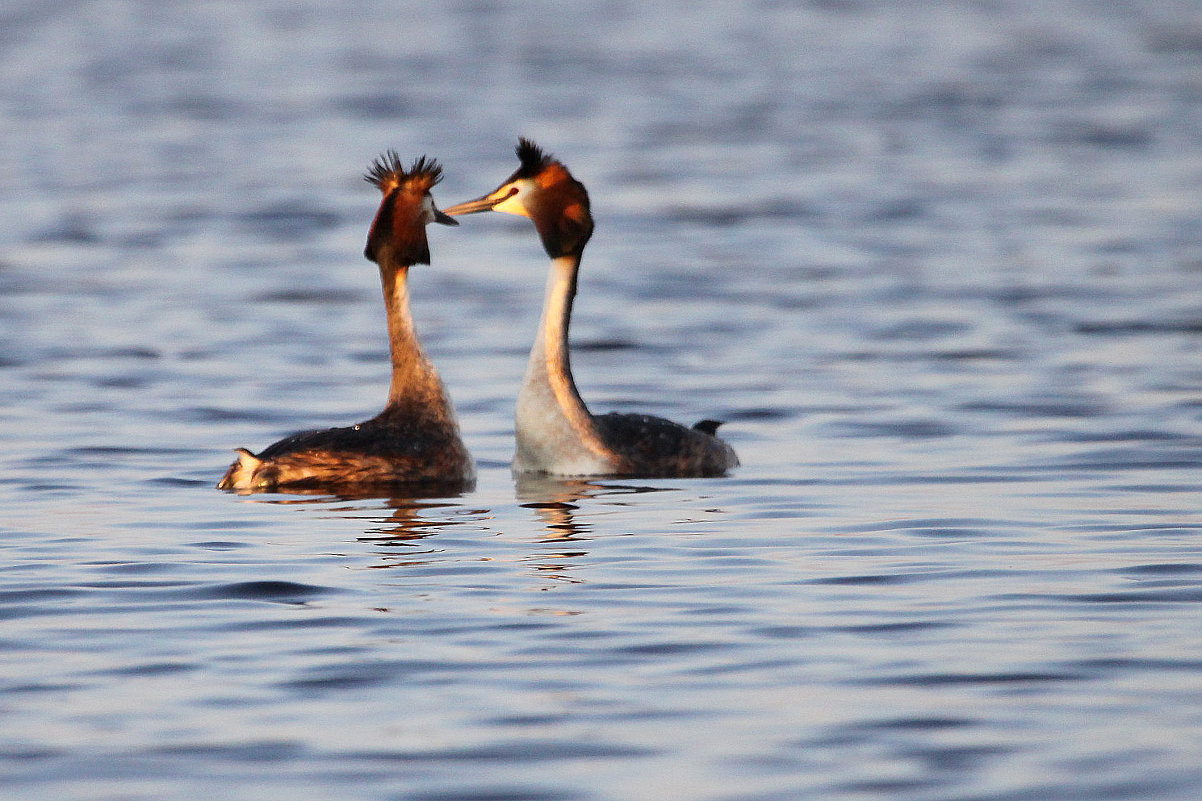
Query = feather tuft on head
x=386 y=172
x=425 y=173
x=532 y=157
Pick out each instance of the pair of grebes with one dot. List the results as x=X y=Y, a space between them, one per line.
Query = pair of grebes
x=416 y=440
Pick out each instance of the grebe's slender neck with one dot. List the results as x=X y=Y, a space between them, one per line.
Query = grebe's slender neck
x=415 y=383
x=554 y=425
x=550 y=360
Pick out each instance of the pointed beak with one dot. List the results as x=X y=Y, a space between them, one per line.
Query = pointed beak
x=485 y=203
x=441 y=217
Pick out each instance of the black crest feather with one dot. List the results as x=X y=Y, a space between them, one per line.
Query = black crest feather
x=427 y=168
x=532 y=157
x=386 y=169
x=387 y=172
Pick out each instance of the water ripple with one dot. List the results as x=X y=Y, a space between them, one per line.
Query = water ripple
x=285 y=592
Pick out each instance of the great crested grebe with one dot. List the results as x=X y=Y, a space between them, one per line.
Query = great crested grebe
x=415 y=439
x=556 y=433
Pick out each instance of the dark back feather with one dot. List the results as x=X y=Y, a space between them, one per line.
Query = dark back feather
x=650 y=446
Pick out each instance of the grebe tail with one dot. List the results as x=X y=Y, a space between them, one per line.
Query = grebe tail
x=415 y=439
x=556 y=433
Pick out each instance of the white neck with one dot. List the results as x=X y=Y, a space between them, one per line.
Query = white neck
x=555 y=432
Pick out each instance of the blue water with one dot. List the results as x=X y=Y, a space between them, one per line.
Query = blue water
x=938 y=266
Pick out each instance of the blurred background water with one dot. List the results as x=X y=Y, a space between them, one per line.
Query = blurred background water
x=938 y=266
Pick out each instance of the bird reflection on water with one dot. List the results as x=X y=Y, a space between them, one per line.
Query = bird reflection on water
x=405 y=529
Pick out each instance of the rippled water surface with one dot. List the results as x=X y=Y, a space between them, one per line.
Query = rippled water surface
x=938 y=266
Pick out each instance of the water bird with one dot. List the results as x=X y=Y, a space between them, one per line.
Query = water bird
x=556 y=433
x=415 y=439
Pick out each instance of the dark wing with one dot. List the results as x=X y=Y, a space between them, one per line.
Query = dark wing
x=365 y=454
x=392 y=439
x=349 y=439
x=654 y=447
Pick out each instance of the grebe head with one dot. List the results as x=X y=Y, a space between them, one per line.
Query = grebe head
x=407 y=208
x=542 y=189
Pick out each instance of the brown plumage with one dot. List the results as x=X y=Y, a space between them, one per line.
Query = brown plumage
x=556 y=433
x=415 y=439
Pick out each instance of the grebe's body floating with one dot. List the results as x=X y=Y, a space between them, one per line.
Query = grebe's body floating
x=556 y=433
x=415 y=440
